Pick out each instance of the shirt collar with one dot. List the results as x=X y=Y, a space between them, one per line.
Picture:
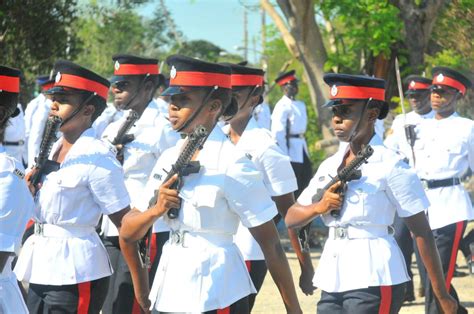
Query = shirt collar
x=209 y=155
x=149 y=114
x=78 y=147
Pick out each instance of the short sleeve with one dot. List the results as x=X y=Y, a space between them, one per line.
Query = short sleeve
x=16 y=208
x=278 y=175
x=107 y=185
x=405 y=191
x=246 y=194
x=471 y=147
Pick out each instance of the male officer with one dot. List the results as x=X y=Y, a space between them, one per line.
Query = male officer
x=289 y=120
x=36 y=113
x=134 y=83
x=444 y=152
x=404 y=131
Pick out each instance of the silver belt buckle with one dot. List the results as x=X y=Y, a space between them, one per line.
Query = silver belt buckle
x=177 y=237
x=39 y=230
x=340 y=232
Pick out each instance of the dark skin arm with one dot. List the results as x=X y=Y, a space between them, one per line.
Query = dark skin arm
x=135 y=225
x=267 y=237
x=283 y=202
x=300 y=215
x=418 y=225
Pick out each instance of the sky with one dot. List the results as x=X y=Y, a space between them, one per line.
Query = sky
x=218 y=21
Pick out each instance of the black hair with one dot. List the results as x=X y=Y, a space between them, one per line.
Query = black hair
x=382 y=106
x=8 y=102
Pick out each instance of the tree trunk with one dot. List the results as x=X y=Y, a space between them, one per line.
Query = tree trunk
x=304 y=41
x=418 y=21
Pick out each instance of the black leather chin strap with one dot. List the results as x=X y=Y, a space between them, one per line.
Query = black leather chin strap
x=198 y=110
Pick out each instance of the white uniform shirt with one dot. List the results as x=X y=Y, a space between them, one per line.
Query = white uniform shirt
x=387 y=186
x=162 y=106
x=153 y=135
x=263 y=115
x=109 y=115
x=16 y=208
x=89 y=183
x=36 y=114
x=446 y=150
x=397 y=141
x=15 y=132
x=207 y=270
x=294 y=112
x=278 y=177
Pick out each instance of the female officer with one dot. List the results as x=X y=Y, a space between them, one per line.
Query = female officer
x=362 y=269
x=201 y=269
x=65 y=262
x=278 y=176
x=16 y=203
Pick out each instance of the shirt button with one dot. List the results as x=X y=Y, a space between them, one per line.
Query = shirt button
x=195 y=204
x=60 y=181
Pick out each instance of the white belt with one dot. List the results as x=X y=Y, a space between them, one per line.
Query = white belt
x=65 y=231
x=359 y=232
x=186 y=238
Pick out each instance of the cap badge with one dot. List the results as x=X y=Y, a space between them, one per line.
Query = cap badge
x=58 y=77
x=440 y=77
x=173 y=72
x=117 y=65
x=412 y=83
x=334 y=90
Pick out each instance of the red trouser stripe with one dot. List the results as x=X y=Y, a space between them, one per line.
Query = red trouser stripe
x=30 y=223
x=84 y=298
x=249 y=265
x=454 y=254
x=385 y=299
x=153 y=252
x=224 y=310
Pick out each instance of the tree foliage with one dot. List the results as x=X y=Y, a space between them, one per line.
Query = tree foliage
x=34 y=34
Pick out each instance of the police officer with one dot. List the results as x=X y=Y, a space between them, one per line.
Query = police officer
x=64 y=261
x=133 y=85
x=14 y=135
x=201 y=269
x=16 y=203
x=278 y=176
x=36 y=114
x=444 y=153
x=403 y=134
x=289 y=120
x=360 y=236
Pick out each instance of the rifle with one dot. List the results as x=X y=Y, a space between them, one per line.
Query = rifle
x=410 y=133
x=182 y=167
x=348 y=173
x=42 y=163
x=122 y=137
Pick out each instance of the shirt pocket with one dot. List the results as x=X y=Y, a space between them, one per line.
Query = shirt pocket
x=365 y=199
x=199 y=209
x=70 y=192
x=449 y=150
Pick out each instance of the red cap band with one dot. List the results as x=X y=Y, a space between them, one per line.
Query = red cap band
x=246 y=80
x=10 y=84
x=286 y=79
x=418 y=85
x=357 y=92
x=136 y=69
x=47 y=86
x=78 y=82
x=448 y=81
x=184 y=78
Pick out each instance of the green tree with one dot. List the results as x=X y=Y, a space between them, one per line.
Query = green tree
x=34 y=34
x=200 y=49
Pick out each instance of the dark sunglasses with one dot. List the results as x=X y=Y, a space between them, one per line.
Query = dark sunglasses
x=443 y=90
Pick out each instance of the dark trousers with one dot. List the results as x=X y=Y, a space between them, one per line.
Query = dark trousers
x=447 y=241
x=383 y=300
x=120 y=296
x=303 y=173
x=405 y=242
x=465 y=242
x=82 y=298
x=257 y=271
x=239 y=307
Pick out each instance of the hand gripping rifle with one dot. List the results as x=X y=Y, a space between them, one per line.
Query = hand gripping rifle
x=122 y=137
x=42 y=164
x=182 y=167
x=348 y=173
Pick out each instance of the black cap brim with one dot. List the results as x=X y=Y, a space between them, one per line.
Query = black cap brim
x=174 y=90
x=117 y=78
x=331 y=103
x=63 y=90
